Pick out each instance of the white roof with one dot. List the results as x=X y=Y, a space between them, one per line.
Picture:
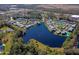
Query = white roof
x=75 y=16
x=63 y=31
x=73 y=25
x=70 y=28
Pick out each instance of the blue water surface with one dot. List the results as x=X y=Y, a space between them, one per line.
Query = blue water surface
x=42 y=34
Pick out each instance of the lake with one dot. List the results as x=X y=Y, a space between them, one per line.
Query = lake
x=42 y=34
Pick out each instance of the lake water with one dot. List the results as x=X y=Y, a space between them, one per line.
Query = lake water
x=42 y=34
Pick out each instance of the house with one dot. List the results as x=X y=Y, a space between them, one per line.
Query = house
x=63 y=32
x=10 y=30
x=74 y=25
x=20 y=19
x=70 y=29
x=58 y=32
x=74 y=17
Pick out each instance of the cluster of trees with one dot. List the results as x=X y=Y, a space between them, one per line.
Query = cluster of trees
x=34 y=14
x=30 y=14
x=18 y=31
x=1 y=36
x=19 y=48
x=72 y=51
x=69 y=42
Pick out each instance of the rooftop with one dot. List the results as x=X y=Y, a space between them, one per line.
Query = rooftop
x=75 y=16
